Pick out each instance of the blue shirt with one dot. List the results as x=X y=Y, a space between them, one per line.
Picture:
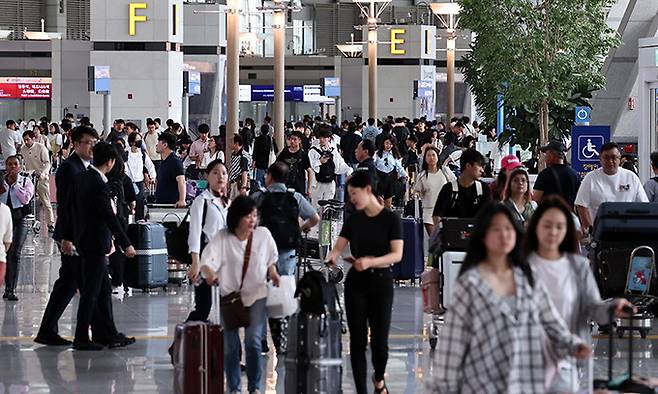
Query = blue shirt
x=166 y=188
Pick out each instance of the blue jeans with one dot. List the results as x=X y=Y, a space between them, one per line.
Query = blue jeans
x=252 y=343
x=287 y=263
x=260 y=177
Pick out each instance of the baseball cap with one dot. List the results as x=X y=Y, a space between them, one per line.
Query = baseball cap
x=555 y=146
x=510 y=162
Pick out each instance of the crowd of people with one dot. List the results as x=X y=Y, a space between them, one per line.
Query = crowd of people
x=259 y=200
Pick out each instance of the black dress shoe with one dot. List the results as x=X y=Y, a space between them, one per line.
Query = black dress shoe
x=4 y=296
x=119 y=340
x=52 y=341
x=87 y=345
x=11 y=297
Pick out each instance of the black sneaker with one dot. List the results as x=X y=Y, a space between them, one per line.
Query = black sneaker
x=11 y=297
x=4 y=296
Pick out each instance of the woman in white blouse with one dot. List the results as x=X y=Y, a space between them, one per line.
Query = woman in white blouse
x=429 y=183
x=213 y=152
x=207 y=217
x=222 y=262
x=389 y=167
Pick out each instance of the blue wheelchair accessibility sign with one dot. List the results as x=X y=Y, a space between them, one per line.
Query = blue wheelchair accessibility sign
x=586 y=143
x=589 y=147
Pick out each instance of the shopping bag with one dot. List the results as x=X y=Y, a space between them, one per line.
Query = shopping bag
x=281 y=301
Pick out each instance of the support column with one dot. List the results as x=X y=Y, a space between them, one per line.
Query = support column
x=232 y=73
x=372 y=73
x=107 y=113
x=450 y=55
x=185 y=115
x=278 y=23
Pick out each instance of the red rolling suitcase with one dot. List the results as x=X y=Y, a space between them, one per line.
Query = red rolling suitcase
x=199 y=355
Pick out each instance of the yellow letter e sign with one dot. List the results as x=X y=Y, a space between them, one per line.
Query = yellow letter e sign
x=395 y=41
x=134 y=18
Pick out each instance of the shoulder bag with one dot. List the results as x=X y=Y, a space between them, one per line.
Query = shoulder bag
x=234 y=313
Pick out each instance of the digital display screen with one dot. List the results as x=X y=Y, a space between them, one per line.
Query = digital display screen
x=639 y=274
x=266 y=93
x=25 y=88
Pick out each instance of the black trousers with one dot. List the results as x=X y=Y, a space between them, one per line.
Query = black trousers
x=64 y=289
x=14 y=253
x=202 y=302
x=368 y=303
x=140 y=202
x=95 y=297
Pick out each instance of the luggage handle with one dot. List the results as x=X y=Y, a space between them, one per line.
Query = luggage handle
x=215 y=303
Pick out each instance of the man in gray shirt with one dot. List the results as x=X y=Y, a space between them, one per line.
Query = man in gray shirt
x=280 y=209
x=651 y=185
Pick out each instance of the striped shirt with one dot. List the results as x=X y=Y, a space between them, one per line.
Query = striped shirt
x=486 y=346
x=239 y=163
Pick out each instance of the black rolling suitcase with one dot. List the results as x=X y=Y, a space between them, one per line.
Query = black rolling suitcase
x=313 y=359
x=313 y=356
x=148 y=269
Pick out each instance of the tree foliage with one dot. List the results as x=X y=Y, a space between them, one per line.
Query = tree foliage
x=537 y=53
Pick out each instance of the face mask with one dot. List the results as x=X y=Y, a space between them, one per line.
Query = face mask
x=138 y=144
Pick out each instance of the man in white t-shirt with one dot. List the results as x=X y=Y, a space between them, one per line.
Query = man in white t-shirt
x=610 y=183
x=10 y=140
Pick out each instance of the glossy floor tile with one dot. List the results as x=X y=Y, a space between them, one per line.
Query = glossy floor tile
x=144 y=367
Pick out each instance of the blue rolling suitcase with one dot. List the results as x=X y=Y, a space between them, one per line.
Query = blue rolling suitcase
x=413 y=259
x=148 y=269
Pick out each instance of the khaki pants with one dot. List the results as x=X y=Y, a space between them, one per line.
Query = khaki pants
x=43 y=196
x=322 y=191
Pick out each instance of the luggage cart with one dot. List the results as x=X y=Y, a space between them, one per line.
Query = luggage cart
x=168 y=215
x=331 y=222
x=641 y=270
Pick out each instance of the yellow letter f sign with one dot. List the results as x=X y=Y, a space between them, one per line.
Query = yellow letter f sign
x=134 y=18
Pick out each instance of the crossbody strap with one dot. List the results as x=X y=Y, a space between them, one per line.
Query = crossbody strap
x=245 y=261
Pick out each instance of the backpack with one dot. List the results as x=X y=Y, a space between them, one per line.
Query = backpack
x=316 y=294
x=279 y=212
x=327 y=172
x=455 y=192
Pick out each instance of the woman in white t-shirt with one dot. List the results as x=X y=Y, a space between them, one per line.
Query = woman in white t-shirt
x=222 y=262
x=551 y=246
x=429 y=183
x=6 y=233
x=213 y=152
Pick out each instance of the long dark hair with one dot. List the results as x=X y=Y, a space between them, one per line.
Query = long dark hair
x=394 y=149
x=477 y=250
x=570 y=242
x=425 y=167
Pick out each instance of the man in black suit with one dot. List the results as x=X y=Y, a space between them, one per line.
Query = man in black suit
x=66 y=285
x=68 y=282
x=94 y=226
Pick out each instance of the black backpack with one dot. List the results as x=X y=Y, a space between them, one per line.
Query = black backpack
x=279 y=212
x=327 y=170
x=316 y=295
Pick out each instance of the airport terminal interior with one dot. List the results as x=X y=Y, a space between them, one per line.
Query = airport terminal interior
x=185 y=77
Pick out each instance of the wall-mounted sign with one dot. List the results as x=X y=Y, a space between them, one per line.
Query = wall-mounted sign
x=192 y=82
x=295 y=93
x=332 y=87
x=423 y=88
x=26 y=88
x=98 y=78
x=396 y=40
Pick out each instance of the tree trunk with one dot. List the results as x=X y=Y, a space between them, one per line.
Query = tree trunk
x=543 y=130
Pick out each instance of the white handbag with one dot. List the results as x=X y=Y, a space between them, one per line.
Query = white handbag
x=281 y=301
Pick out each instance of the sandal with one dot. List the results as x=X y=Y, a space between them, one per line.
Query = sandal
x=381 y=390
